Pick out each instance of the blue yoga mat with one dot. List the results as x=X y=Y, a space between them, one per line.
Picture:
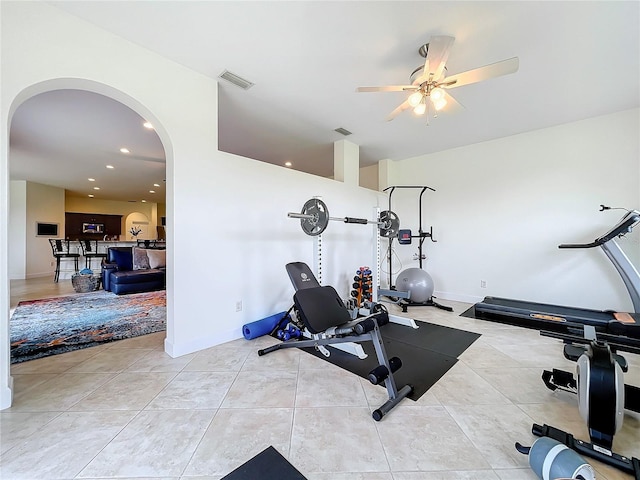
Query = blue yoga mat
x=261 y=327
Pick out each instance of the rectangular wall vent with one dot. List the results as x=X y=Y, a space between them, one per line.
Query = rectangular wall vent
x=236 y=80
x=343 y=131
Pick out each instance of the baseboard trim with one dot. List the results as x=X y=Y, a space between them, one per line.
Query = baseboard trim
x=41 y=274
x=457 y=297
x=184 y=348
x=6 y=394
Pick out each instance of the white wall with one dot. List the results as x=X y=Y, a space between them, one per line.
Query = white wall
x=228 y=234
x=502 y=207
x=18 y=229
x=369 y=177
x=108 y=207
x=44 y=204
x=239 y=239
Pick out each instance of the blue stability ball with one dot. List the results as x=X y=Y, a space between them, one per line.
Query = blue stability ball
x=416 y=281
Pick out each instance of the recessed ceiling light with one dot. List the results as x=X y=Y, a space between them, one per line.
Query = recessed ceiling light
x=152 y=191
x=156 y=185
x=288 y=164
x=96 y=188
x=148 y=125
x=110 y=166
x=143 y=201
x=91 y=179
x=124 y=150
x=90 y=195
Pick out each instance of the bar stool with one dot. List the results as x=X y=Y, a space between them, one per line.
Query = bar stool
x=146 y=243
x=90 y=251
x=61 y=250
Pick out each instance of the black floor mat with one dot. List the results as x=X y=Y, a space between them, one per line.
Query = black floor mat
x=469 y=312
x=267 y=465
x=427 y=353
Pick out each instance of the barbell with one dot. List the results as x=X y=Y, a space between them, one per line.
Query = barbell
x=314 y=219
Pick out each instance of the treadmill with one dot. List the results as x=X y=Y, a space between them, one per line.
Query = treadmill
x=561 y=319
x=592 y=338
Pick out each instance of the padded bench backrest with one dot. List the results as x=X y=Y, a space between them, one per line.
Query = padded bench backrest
x=301 y=275
x=320 y=308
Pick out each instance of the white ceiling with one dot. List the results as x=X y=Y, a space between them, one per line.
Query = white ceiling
x=64 y=137
x=577 y=60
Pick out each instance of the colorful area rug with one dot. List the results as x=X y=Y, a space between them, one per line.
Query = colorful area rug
x=39 y=328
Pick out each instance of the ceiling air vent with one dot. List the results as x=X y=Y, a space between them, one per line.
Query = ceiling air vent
x=342 y=131
x=236 y=80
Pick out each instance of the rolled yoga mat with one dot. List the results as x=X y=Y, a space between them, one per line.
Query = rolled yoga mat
x=262 y=327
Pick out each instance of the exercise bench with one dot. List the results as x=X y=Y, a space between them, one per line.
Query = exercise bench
x=327 y=321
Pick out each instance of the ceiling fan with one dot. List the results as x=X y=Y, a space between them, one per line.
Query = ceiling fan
x=428 y=82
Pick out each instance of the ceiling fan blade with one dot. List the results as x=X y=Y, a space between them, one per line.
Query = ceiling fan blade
x=437 y=55
x=505 y=67
x=388 y=88
x=401 y=108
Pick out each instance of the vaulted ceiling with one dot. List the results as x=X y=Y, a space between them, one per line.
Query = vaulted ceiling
x=306 y=59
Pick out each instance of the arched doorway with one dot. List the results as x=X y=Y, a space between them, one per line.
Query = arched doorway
x=26 y=94
x=140 y=223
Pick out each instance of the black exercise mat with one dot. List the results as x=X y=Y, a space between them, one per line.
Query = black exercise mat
x=469 y=313
x=267 y=465
x=445 y=340
x=427 y=353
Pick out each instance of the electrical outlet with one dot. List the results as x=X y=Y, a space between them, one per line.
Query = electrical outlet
x=483 y=284
x=239 y=306
x=51 y=264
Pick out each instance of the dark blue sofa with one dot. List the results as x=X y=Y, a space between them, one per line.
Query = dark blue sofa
x=119 y=277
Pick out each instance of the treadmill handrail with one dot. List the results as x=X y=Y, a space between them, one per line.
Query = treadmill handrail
x=624 y=226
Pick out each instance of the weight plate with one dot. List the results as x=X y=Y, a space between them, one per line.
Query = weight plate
x=391 y=224
x=318 y=209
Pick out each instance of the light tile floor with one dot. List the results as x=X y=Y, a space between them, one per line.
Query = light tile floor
x=127 y=410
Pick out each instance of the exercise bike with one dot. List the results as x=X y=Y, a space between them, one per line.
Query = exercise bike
x=602 y=394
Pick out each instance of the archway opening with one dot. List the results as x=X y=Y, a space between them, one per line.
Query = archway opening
x=21 y=224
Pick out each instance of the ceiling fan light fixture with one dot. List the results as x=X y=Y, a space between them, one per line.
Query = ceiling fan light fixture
x=439 y=104
x=415 y=98
x=437 y=94
x=431 y=79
